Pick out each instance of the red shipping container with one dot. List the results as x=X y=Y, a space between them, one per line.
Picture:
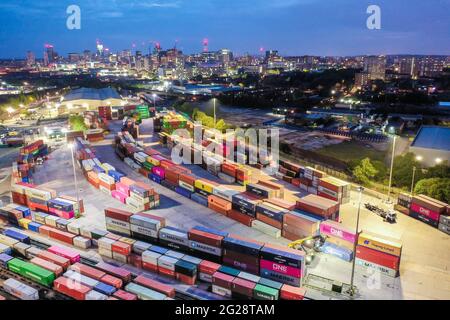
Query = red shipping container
x=240 y=217
x=219 y=209
x=53 y=258
x=378 y=257
x=166 y=272
x=271 y=222
x=62 y=236
x=187 y=178
x=118 y=214
x=289 y=235
x=136 y=260
x=123 y=295
x=205 y=237
x=172 y=175
x=149 y=266
x=186 y=279
x=118 y=272
x=144 y=172
x=87 y=271
x=121 y=247
x=243 y=287
x=71 y=288
x=208 y=267
x=112 y=281
x=223 y=280
x=156 y=285
x=281 y=203
x=288 y=292
x=45 y=230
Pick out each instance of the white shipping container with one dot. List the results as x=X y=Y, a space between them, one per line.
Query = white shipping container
x=96 y=296
x=267 y=229
x=151 y=257
x=22 y=248
x=51 y=220
x=105 y=243
x=145 y=231
x=167 y=262
x=119 y=223
x=105 y=253
x=115 y=228
x=120 y=257
x=221 y=291
x=226 y=178
x=205 y=277
x=78 y=277
x=20 y=290
x=140 y=247
x=81 y=242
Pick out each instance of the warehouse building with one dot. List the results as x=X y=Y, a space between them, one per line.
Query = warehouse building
x=89 y=99
x=432 y=145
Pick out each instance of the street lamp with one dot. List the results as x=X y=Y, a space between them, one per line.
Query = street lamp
x=392 y=168
x=154 y=100
x=71 y=147
x=418 y=158
x=352 y=287
x=214 y=103
x=438 y=160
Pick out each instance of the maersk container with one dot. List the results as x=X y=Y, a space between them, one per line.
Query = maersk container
x=174 y=235
x=20 y=290
x=144 y=293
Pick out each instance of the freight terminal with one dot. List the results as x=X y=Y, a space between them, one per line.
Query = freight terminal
x=135 y=225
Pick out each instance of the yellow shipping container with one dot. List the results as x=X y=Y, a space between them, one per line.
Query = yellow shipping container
x=380 y=243
x=7 y=241
x=204 y=185
x=153 y=161
x=127 y=240
x=24 y=223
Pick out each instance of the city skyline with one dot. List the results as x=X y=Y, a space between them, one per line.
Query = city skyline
x=291 y=26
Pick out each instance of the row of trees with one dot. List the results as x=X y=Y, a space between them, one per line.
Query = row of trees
x=433 y=181
x=76 y=123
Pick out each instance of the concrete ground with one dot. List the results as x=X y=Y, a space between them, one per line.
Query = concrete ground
x=424 y=272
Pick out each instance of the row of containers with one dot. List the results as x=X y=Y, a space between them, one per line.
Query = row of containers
x=61 y=268
x=65 y=263
x=433 y=212
x=137 y=196
x=43 y=199
x=23 y=168
x=93 y=120
x=314 y=181
x=261 y=206
x=202 y=254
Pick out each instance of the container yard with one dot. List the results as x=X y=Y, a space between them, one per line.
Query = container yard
x=138 y=226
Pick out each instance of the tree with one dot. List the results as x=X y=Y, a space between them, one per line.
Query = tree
x=437 y=188
x=403 y=170
x=381 y=170
x=439 y=171
x=365 y=171
x=77 y=123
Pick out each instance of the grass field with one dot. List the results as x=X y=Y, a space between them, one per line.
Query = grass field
x=351 y=152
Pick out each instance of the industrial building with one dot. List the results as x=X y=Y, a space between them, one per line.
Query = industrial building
x=89 y=99
x=432 y=145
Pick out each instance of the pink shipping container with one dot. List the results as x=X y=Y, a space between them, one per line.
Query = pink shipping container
x=119 y=196
x=160 y=172
x=65 y=253
x=62 y=214
x=426 y=212
x=123 y=188
x=289 y=271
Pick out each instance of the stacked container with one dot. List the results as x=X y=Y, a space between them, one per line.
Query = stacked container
x=427 y=210
x=379 y=252
x=340 y=241
x=334 y=189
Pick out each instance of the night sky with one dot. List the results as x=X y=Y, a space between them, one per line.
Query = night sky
x=294 y=27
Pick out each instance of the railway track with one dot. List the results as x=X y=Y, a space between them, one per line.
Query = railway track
x=45 y=293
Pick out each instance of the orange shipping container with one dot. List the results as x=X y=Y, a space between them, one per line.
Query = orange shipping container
x=219 y=202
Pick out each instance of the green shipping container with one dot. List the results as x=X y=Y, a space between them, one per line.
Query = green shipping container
x=265 y=293
x=32 y=272
x=148 y=166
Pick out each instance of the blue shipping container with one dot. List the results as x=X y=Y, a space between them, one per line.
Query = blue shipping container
x=105 y=288
x=155 y=178
x=17 y=235
x=200 y=199
x=34 y=226
x=184 y=192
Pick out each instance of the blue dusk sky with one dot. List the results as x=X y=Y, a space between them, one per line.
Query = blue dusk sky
x=294 y=27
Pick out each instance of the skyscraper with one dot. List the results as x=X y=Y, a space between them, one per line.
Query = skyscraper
x=31 y=59
x=375 y=66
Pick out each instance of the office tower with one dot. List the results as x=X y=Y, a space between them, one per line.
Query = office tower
x=31 y=59
x=375 y=66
